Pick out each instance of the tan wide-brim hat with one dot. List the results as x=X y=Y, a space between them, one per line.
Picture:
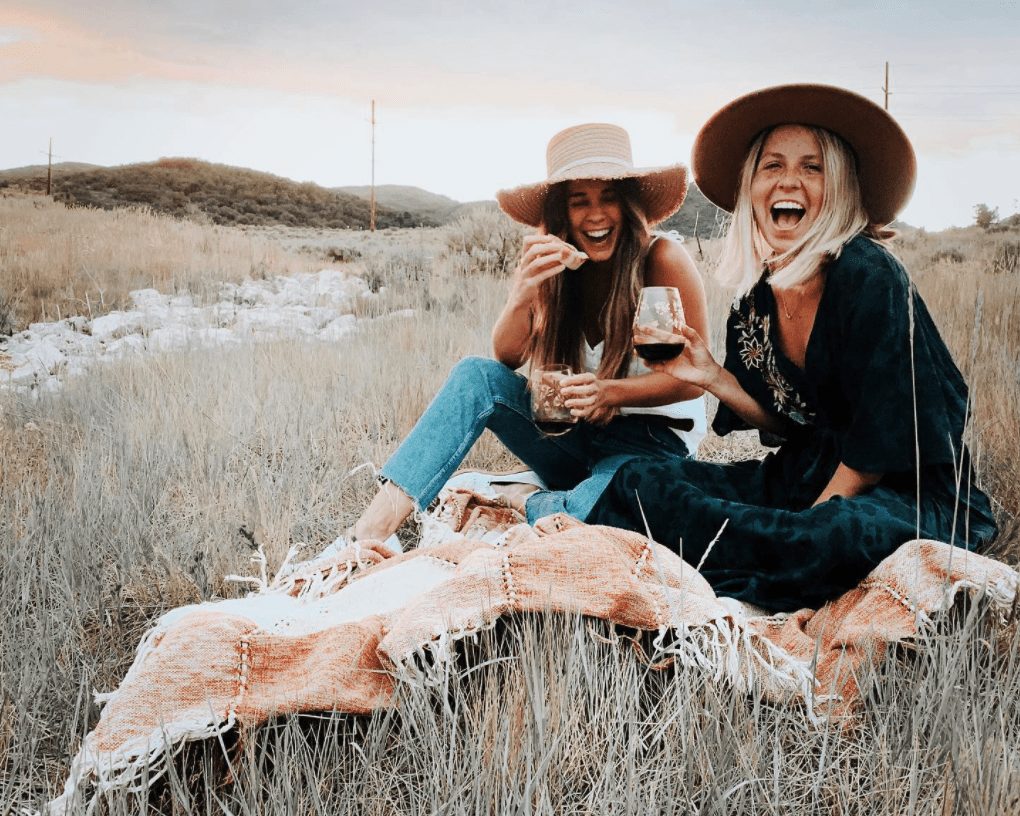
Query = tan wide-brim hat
x=886 y=164
x=597 y=151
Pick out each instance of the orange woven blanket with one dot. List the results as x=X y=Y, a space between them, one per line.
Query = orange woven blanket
x=339 y=632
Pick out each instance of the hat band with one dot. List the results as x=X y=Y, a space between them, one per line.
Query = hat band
x=591 y=160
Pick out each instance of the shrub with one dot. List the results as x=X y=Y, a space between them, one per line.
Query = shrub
x=482 y=240
x=948 y=255
x=8 y=313
x=339 y=254
x=1007 y=258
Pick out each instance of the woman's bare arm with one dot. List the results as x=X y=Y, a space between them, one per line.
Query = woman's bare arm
x=848 y=482
x=543 y=257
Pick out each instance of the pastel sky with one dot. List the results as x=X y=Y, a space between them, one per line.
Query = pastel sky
x=468 y=92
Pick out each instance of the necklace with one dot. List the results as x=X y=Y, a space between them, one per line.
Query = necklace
x=782 y=304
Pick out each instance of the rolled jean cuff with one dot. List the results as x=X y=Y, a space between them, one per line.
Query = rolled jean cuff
x=578 y=501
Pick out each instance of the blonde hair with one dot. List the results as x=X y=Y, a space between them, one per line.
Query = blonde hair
x=558 y=325
x=841 y=217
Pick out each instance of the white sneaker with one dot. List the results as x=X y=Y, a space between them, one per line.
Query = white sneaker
x=342 y=541
x=485 y=483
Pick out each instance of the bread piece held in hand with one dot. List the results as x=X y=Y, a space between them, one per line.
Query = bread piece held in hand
x=575 y=259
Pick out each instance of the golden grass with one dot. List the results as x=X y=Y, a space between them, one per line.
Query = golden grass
x=57 y=261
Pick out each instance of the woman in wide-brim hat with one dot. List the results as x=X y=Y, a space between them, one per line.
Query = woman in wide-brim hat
x=830 y=353
x=571 y=302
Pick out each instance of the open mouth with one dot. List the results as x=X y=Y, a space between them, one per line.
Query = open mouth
x=598 y=237
x=786 y=215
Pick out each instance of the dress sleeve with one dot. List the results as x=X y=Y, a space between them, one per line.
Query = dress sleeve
x=904 y=392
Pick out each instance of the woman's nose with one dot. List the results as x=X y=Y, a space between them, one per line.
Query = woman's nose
x=789 y=179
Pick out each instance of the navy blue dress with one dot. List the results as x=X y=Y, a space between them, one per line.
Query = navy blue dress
x=854 y=402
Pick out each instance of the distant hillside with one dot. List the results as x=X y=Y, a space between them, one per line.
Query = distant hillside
x=422 y=204
x=40 y=170
x=32 y=178
x=403 y=198
x=698 y=210
x=190 y=188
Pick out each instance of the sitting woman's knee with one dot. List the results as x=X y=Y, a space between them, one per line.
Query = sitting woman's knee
x=481 y=368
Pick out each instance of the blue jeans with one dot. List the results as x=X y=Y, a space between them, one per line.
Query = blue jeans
x=577 y=466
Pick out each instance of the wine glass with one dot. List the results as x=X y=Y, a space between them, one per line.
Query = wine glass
x=657 y=324
x=552 y=417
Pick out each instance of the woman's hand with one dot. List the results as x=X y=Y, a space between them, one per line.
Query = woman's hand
x=587 y=398
x=544 y=256
x=695 y=365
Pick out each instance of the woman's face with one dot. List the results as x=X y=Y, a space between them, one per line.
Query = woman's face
x=594 y=217
x=788 y=186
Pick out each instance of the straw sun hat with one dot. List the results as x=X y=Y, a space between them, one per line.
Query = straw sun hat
x=886 y=165
x=597 y=151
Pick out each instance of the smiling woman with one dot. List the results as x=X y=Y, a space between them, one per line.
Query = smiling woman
x=788 y=185
x=830 y=354
x=571 y=304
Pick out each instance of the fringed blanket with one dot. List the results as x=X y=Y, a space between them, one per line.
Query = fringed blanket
x=339 y=632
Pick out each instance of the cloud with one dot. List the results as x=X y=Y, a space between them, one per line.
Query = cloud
x=483 y=69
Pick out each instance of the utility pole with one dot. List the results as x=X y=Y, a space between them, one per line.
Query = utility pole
x=371 y=200
x=49 y=170
x=886 y=86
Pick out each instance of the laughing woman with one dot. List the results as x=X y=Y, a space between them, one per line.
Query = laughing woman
x=830 y=353
x=593 y=212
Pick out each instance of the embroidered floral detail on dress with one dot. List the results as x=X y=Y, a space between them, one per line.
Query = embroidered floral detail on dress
x=756 y=353
x=752 y=352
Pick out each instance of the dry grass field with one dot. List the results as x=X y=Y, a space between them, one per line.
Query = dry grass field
x=57 y=261
x=122 y=495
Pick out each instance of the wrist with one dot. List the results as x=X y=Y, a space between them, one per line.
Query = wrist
x=519 y=303
x=611 y=396
x=716 y=380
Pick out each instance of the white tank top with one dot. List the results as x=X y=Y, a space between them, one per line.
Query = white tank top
x=688 y=409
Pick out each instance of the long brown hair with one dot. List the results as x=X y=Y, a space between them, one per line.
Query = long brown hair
x=558 y=331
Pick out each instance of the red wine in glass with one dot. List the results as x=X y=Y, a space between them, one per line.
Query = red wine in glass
x=657 y=352
x=658 y=324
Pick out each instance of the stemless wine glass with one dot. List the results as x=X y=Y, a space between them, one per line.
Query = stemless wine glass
x=551 y=416
x=657 y=324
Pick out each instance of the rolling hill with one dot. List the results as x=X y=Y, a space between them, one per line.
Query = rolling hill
x=190 y=188
x=403 y=198
x=697 y=211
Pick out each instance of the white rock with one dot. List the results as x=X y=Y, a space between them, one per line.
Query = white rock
x=316 y=305
x=343 y=326
x=115 y=325
x=147 y=298
x=214 y=337
x=125 y=345
x=45 y=356
x=23 y=372
x=168 y=338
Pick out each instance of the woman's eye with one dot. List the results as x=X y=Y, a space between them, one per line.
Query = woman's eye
x=814 y=168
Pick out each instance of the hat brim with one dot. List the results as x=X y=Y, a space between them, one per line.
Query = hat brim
x=886 y=164
x=662 y=190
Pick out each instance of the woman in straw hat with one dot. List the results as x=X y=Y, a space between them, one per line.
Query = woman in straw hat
x=593 y=212
x=830 y=353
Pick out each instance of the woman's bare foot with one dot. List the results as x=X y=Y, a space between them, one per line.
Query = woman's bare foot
x=384 y=514
x=516 y=493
